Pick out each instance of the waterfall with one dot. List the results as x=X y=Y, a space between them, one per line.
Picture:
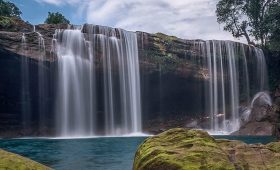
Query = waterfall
x=98 y=82
x=236 y=72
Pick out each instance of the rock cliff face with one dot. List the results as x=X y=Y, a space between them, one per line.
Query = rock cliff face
x=182 y=149
x=167 y=76
x=11 y=38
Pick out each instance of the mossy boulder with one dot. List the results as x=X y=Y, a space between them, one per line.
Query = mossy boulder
x=182 y=149
x=10 y=161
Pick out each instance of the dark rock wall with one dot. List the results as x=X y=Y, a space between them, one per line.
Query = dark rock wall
x=273 y=66
x=19 y=108
x=170 y=85
x=10 y=105
x=164 y=94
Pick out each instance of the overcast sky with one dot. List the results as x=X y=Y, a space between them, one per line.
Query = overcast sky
x=190 y=19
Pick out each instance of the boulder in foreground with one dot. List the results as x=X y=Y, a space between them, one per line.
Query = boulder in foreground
x=12 y=161
x=182 y=149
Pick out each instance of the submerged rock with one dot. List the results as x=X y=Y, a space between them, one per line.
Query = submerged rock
x=13 y=161
x=182 y=149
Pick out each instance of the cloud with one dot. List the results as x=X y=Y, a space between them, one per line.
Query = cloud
x=59 y=2
x=187 y=19
x=190 y=19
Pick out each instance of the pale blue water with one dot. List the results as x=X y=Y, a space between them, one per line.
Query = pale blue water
x=78 y=154
x=87 y=154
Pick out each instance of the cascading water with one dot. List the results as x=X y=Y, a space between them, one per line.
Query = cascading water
x=230 y=82
x=90 y=59
x=97 y=85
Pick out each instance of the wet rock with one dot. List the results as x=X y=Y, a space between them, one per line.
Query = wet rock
x=264 y=119
x=256 y=128
x=11 y=38
x=182 y=149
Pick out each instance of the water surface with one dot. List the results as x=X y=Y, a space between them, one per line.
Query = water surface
x=114 y=153
x=78 y=154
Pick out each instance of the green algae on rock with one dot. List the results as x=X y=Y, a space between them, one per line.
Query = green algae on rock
x=182 y=149
x=10 y=161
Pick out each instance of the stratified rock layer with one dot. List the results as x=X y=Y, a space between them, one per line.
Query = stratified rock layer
x=12 y=161
x=182 y=149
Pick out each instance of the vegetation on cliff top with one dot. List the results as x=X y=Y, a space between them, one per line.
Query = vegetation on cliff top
x=258 y=19
x=9 y=9
x=9 y=14
x=6 y=22
x=56 y=18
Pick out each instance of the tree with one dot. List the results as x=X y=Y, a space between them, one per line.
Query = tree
x=56 y=18
x=231 y=13
x=249 y=18
x=9 y=9
x=273 y=25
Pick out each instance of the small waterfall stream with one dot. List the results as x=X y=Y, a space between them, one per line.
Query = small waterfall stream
x=42 y=80
x=25 y=89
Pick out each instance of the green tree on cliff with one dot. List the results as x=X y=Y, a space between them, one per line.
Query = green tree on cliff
x=273 y=24
x=8 y=9
x=256 y=20
x=56 y=18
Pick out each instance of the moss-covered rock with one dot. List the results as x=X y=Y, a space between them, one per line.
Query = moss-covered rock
x=182 y=149
x=10 y=161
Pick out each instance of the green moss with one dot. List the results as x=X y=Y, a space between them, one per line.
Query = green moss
x=15 y=162
x=6 y=22
x=274 y=146
x=166 y=37
x=165 y=62
x=168 y=53
x=181 y=149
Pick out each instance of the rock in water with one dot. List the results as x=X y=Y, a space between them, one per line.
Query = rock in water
x=16 y=162
x=182 y=149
